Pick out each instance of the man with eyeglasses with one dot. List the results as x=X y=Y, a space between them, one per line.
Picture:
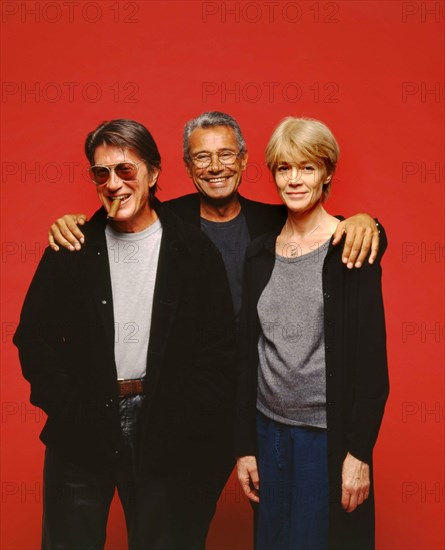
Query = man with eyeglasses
x=128 y=347
x=215 y=157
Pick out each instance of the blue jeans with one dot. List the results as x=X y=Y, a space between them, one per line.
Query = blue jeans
x=294 y=496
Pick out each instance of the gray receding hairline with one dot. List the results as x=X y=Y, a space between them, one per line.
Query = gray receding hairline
x=211 y=119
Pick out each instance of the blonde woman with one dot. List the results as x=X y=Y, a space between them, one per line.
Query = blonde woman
x=313 y=381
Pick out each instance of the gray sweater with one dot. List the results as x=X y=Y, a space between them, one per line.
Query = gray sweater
x=292 y=371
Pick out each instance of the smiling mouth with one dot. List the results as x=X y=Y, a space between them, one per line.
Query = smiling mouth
x=122 y=198
x=217 y=181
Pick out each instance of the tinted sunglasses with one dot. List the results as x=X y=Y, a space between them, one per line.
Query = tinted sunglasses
x=126 y=171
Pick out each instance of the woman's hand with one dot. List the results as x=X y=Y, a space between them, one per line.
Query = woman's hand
x=247 y=471
x=362 y=235
x=355 y=483
x=65 y=231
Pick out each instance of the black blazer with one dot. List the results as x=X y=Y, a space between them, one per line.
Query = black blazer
x=66 y=344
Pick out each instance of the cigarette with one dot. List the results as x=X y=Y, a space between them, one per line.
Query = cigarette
x=114 y=208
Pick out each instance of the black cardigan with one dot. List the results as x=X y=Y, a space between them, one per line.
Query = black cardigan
x=356 y=372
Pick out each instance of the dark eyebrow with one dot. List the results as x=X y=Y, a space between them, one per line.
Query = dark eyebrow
x=217 y=151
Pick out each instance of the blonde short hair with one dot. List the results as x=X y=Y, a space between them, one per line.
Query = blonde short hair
x=308 y=138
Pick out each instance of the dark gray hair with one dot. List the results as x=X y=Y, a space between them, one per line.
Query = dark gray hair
x=127 y=134
x=210 y=120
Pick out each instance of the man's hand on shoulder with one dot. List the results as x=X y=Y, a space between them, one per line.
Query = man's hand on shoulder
x=362 y=237
x=65 y=232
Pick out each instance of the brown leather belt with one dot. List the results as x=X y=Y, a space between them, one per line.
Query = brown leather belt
x=128 y=388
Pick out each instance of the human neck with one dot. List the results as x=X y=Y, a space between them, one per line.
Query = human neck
x=298 y=225
x=220 y=210
x=136 y=225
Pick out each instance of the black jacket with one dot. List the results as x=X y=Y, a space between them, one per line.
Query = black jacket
x=356 y=372
x=66 y=344
x=261 y=218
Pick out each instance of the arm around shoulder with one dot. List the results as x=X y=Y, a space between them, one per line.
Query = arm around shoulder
x=362 y=239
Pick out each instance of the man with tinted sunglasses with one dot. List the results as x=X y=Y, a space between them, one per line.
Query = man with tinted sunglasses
x=133 y=364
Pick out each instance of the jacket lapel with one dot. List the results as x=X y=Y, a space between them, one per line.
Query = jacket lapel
x=166 y=294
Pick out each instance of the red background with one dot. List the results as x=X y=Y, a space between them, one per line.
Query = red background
x=373 y=71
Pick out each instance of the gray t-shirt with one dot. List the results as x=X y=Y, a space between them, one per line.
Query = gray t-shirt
x=292 y=373
x=133 y=259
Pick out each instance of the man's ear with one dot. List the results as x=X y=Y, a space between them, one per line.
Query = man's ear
x=188 y=168
x=154 y=177
x=244 y=159
x=327 y=180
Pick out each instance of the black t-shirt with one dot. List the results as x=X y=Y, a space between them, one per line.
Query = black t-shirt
x=232 y=239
